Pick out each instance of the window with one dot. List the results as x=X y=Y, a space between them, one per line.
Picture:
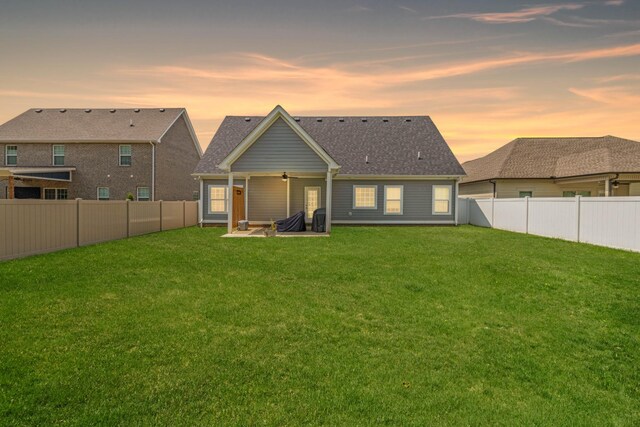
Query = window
x=365 y=197
x=218 y=195
x=103 y=193
x=56 y=194
x=441 y=199
x=196 y=195
x=576 y=193
x=58 y=155
x=125 y=155
x=393 y=199
x=143 y=194
x=525 y=194
x=11 y=155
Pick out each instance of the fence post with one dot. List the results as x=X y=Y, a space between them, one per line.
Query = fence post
x=493 y=210
x=160 y=215
x=78 y=222
x=526 y=216
x=128 y=218
x=578 y=201
x=184 y=214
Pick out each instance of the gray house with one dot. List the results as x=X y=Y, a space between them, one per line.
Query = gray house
x=363 y=170
x=102 y=154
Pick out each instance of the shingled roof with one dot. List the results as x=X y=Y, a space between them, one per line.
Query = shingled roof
x=556 y=158
x=391 y=144
x=89 y=125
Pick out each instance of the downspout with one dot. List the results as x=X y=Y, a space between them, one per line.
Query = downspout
x=153 y=171
x=494 y=187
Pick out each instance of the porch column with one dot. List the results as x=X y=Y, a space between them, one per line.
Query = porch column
x=246 y=198
x=11 y=189
x=230 y=204
x=607 y=186
x=328 y=203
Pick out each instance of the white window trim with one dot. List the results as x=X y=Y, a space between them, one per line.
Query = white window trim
x=375 y=197
x=120 y=154
x=309 y=215
x=53 y=154
x=433 y=199
x=226 y=199
x=98 y=193
x=56 y=192
x=401 y=187
x=6 y=155
x=148 y=199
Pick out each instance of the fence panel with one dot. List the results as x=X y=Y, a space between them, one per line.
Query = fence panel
x=29 y=227
x=613 y=222
x=191 y=214
x=480 y=212
x=463 y=211
x=102 y=220
x=554 y=217
x=510 y=214
x=144 y=217
x=172 y=215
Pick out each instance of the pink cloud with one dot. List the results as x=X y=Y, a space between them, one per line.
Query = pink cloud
x=522 y=15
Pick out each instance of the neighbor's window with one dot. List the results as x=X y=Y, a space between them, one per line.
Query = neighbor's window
x=393 y=199
x=576 y=193
x=143 y=194
x=365 y=197
x=125 y=155
x=11 y=155
x=103 y=193
x=525 y=194
x=441 y=199
x=196 y=195
x=56 y=194
x=58 y=155
x=218 y=195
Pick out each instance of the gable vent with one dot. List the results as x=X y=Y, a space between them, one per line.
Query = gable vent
x=137 y=110
x=341 y=120
x=39 y=110
x=63 y=110
x=364 y=120
x=162 y=110
x=112 y=111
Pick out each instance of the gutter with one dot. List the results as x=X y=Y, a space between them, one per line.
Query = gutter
x=493 y=181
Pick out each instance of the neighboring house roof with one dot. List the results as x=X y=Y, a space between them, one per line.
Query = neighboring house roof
x=390 y=143
x=92 y=125
x=556 y=158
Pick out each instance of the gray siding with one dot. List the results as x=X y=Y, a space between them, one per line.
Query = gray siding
x=267 y=198
x=296 y=192
x=417 y=201
x=206 y=216
x=279 y=149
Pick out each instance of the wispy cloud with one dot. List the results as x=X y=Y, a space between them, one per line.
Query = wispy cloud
x=617 y=95
x=522 y=15
x=632 y=33
x=618 y=78
x=407 y=9
x=614 y=2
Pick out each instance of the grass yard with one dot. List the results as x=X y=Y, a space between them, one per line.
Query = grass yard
x=375 y=325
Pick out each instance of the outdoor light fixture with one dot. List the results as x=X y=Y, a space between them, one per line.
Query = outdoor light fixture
x=285 y=177
x=615 y=184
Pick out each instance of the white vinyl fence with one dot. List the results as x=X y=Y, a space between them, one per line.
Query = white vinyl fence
x=605 y=221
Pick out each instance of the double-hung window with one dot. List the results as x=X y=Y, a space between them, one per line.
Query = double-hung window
x=143 y=194
x=11 y=155
x=103 y=193
x=365 y=197
x=441 y=199
x=125 y=155
x=218 y=199
x=522 y=194
x=393 y=199
x=58 y=155
x=56 y=193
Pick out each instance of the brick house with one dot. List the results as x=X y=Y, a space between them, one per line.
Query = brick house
x=99 y=154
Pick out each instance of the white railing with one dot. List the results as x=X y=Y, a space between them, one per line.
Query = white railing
x=604 y=221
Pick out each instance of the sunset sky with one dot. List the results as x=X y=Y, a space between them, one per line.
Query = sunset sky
x=486 y=71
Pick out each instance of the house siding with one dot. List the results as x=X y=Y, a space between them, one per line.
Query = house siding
x=279 y=149
x=296 y=192
x=417 y=201
x=267 y=199
x=176 y=157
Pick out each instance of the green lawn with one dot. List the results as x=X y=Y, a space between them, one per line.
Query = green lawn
x=411 y=326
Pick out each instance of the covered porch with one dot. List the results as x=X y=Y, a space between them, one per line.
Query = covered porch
x=36 y=182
